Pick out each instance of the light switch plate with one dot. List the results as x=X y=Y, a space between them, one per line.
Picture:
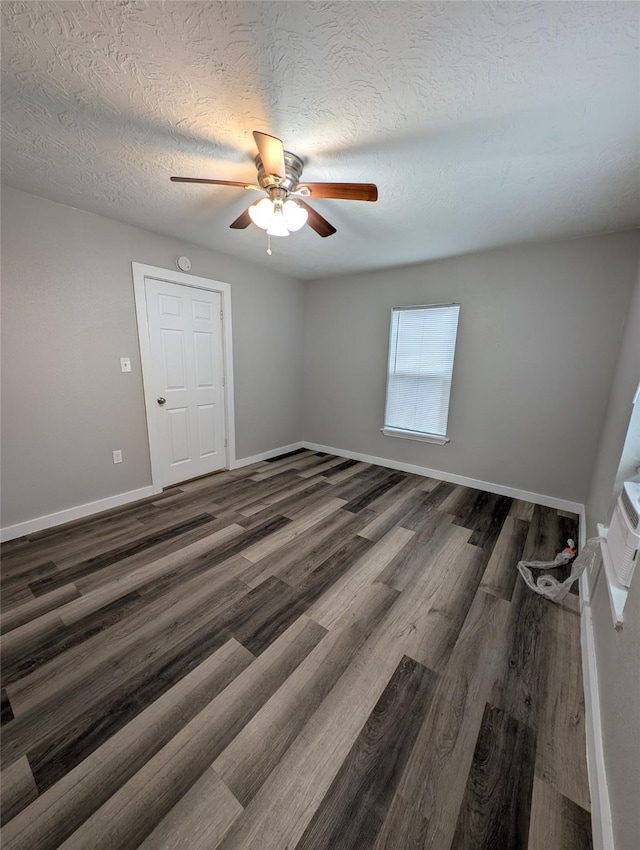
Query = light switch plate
x=125 y=364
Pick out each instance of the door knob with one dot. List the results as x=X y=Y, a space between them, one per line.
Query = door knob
x=162 y=401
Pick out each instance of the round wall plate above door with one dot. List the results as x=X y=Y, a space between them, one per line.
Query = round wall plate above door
x=183 y=263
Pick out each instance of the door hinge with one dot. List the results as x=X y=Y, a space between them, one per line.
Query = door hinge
x=225 y=444
x=221 y=315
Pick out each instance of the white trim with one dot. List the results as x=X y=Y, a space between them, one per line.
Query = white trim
x=618 y=593
x=583 y=581
x=452 y=478
x=582 y=533
x=283 y=450
x=140 y=271
x=415 y=435
x=601 y=823
x=583 y=585
x=69 y=514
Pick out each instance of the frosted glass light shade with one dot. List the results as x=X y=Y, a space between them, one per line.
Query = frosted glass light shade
x=278 y=220
x=262 y=213
x=295 y=216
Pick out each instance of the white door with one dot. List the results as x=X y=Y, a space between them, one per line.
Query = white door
x=185 y=337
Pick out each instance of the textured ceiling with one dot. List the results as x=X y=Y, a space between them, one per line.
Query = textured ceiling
x=483 y=124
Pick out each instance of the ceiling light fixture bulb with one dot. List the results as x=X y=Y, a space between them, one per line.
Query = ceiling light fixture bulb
x=262 y=213
x=295 y=216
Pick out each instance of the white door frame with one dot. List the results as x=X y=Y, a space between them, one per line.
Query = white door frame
x=141 y=271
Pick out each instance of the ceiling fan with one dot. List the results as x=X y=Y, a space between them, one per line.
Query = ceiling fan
x=284 y=211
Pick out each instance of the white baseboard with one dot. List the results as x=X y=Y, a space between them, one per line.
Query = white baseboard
x=283 y=450
x=601 y=823
x=452 y=478
x=69 y=514
x=81 y=511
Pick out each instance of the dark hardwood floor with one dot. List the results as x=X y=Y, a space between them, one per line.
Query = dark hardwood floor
x=307 y=653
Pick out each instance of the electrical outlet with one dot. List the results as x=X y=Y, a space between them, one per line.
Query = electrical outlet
x=117 y=456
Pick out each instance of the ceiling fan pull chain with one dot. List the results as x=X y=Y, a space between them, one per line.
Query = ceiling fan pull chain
x=269 y=244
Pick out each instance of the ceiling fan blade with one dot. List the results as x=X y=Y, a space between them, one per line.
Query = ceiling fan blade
x=243 y=220
x=215 y=182
x=271 y=153
x=343 y=191
x=316 y=221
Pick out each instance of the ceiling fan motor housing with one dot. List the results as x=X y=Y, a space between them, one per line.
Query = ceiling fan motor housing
x=293 y=168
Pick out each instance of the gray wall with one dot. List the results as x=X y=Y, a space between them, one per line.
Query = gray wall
x=618 y=414
x=618 y=653
x=537 y=343
x=68 y=316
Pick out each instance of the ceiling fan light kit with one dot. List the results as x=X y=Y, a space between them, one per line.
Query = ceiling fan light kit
x=279 y=174
x=278 y=218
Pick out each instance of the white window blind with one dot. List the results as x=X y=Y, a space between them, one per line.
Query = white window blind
x=421 y=351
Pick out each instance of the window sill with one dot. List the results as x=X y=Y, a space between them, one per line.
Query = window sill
x=414 y=435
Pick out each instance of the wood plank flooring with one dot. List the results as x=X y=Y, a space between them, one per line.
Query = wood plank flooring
x=310 y=652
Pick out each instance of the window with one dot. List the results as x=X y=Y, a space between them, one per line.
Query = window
x=421 y=350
